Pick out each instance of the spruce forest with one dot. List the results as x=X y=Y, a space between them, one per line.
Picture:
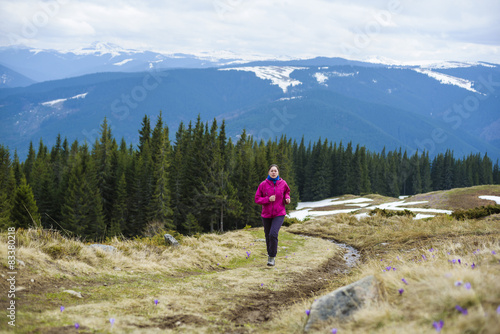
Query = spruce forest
x=203 y=181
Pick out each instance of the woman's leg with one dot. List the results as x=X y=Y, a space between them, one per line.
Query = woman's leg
x=267 y=222
x=272 y=245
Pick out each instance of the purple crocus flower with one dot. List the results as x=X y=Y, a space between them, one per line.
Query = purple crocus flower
x=473 y=265
x=112 y=321
x=467 y=286
x=62 y=308
x=393 y=269
x=454 y=261
x=156 y=301
x=404 y=281
x=498 y=309
x=77 y=325
x=431 y=250
x=458 y=283
x=334 y=330
x=493 y=252
x=401 y=291
x=388 y=268
x=261 y=284
x=461 y=310
x=438 y=325
x=308 y=312
x=459 y=262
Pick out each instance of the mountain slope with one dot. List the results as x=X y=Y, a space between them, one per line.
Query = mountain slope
x=376 y=106
x=10 y=78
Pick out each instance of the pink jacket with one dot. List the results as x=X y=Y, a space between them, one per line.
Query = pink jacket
x=268 y=188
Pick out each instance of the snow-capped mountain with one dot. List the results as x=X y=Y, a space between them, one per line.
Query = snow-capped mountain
x=43 y=64
x=432 y=106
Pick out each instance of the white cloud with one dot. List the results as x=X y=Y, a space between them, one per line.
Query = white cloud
x=398 y=29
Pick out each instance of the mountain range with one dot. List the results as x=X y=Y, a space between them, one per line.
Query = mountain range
x=448 y=105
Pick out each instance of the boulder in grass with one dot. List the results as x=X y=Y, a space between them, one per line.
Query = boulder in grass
x=106 y=248
x=171 y=240
x=343 y=302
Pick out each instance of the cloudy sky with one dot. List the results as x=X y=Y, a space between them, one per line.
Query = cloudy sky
x=402 y=30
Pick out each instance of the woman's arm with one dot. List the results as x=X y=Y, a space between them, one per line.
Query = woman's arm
x=261 y=198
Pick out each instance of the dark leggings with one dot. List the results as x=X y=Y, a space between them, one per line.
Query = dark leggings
x=271 y=229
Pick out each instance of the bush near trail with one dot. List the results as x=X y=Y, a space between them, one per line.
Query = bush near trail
x=476 y=213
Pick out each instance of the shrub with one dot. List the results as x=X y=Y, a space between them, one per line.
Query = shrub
x=476 y=213
x=391 y=213
x=290 y=221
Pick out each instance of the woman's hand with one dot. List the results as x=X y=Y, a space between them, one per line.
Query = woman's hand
x=287 y=201
x=272 y=198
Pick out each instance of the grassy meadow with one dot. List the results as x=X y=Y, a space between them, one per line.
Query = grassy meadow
x=219 y=283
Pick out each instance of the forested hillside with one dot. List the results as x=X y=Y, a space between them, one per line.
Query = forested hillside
x=203 y=181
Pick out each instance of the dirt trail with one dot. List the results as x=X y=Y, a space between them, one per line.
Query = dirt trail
x=263 y=305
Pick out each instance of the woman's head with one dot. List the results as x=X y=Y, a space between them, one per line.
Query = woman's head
x=273 y=171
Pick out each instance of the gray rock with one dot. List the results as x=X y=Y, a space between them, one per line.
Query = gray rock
x=171 y=240
x=106 y=248
x=343 y=302
x=74 y=293
x=260 y=240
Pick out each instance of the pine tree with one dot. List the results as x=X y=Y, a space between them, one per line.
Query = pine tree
x=29 y=162
x=416 y=177
x=243 y=178
x=145 y=132
x=322 y=176
x=82 y=210
x=159 y=208
x=24 y=212
x=104 y=155
x=7 y=187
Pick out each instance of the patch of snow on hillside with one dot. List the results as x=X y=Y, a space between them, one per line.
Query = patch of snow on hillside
x=448 y=79
x=123 y=62
x=290 y=98
x=321 y=78
x=58 y=102
x=305 y=209
x=491 y=198
x=279 y=75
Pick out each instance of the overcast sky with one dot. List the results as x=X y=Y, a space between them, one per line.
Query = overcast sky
x=403 y=30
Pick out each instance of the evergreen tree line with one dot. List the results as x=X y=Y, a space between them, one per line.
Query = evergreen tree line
x=204 y=181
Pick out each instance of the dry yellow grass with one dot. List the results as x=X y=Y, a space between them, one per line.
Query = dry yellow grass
x=198 y=285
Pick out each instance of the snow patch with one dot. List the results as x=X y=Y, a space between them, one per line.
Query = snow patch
x=58 y=102
x=290 y=98
x=321 y=78
x=279 y=75
x=123 y=62
x=448 y=79
x=491 y=198
x=304 y=209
